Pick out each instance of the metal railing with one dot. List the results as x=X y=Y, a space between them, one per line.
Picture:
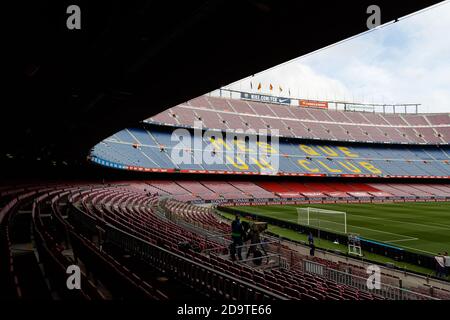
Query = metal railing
x=271 y=245
x=198 y=276
x=386 y=291
x=384 y=108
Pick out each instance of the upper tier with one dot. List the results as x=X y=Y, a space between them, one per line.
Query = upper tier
x=291 y=121
x=159 y=149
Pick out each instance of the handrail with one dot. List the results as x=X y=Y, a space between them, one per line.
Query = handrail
x=385 y=290
x=113 y=234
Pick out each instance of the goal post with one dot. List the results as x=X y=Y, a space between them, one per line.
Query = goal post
x=330 y=220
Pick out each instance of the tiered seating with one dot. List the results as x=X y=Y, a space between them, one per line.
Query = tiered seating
x=327 y=189
x=293 y=157
x=192 y=191
x=430 y=190
x=294 y=283
x=174 y=189
x=410 y=189
x=303 y=190
x=292 y=121
x=168 y=235
x=199 y=190
x=132 y=210
x=198 y=215
x=252 y=190
x=279 y=189
x=47 y=244
x=226 y=190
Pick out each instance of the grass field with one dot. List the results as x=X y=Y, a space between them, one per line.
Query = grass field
x=420 y=227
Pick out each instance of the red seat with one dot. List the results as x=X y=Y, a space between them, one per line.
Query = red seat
x=308 y=297
x=295 y=294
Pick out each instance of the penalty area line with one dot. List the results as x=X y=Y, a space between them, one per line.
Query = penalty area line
x=399 y=240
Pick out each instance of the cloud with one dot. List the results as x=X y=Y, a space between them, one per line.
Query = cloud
x=405 y=62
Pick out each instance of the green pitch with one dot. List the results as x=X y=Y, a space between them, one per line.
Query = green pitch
x=422 y=227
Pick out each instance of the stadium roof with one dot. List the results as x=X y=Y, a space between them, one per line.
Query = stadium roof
x=72 y=88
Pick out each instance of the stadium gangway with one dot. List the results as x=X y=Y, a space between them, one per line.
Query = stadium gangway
x=263 y=244
x=220 y=238
x=271 y=248
x=195 y=226
x=199 y=276
x=267 y=244
x=270 y=264
x=386 y=291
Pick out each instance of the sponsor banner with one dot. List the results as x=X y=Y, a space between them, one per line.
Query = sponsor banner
x=226 y=204
x=313 y=104
x=257 y=201
x=265 y=98
x=145 y=169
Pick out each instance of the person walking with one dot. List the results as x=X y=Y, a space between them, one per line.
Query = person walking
x=446 y=264
x=312 y=247
x=236 y=236
x=310 y=239
x=440 y=265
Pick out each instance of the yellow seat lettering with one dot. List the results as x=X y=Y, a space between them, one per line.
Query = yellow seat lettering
x=370 y=167
x=305 y=164
x=347 y=152
x=328 y=168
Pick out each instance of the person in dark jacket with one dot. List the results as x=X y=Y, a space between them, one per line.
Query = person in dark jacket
x=446 y=264
x=236 y=236
x=255 y=239
x=312 y=250
x=310 y=239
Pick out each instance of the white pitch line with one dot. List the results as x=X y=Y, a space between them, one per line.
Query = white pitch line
x=374 y=230
x=401 y=240
x=409 y=239
x=415 y=249
x=386 y=232
x=405 y=222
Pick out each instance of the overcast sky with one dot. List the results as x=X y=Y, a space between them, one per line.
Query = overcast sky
x=404 y=62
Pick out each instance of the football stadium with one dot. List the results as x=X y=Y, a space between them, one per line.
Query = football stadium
x=125 y=187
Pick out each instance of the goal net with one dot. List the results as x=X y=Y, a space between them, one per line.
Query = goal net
x=330 y=220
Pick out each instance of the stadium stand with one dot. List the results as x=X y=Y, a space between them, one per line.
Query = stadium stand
x=220 y=113
x=67 y=220
x=217 y=191
x=168 y=226
x=252 y=189
x=312 y=143
x=157 y=150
